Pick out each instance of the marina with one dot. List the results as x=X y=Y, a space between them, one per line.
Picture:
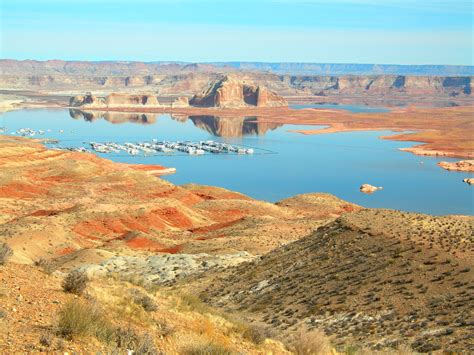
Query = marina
x=159 y=147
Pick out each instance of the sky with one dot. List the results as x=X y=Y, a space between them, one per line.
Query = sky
x=322 y=31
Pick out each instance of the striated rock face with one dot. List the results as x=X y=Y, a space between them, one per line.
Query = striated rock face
x=114 y=100
x=180 y=102
x=126 y=100
x=230 y=92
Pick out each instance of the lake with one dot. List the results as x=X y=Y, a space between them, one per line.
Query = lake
x=285 y=163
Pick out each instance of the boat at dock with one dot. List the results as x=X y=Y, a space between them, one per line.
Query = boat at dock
x=156 y=147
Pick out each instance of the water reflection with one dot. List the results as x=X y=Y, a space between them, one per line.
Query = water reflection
x=215 y=125
x=232 y=126
x=113 y=117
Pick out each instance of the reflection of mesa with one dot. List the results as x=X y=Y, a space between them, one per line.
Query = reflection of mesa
x=218 y=126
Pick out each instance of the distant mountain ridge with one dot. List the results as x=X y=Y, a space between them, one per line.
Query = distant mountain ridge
x=351 y=68
x=11 y=66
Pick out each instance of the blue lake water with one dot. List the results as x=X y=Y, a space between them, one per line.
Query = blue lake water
x=335 y=163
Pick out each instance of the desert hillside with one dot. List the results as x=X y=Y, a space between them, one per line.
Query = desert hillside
x=55 y=204
x=376 y=278
x=115 y=317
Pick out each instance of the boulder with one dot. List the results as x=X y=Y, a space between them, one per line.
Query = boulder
x=369 y=189
x=462 y=165
x=469 y=181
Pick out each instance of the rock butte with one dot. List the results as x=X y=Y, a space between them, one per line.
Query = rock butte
x=230 y=92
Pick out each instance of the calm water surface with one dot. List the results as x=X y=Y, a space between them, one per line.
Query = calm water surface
x=336 y=163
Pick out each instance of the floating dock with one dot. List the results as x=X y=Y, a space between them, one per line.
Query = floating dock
x=164 y=147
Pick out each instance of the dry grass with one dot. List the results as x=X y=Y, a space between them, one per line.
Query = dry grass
x=313 y=342
x=207 y=349
x=256 y=334
x=131 y=340
x=79 y=318
x=140 y=298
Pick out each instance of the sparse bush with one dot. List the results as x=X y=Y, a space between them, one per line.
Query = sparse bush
x=81 y=318
x=5 y=253
x=312 y=343
x=46 y=265
x=130 y=340
x=164 y=329
x=46 y=340
x=75 y=282
x=256 y=334
x=207 y=349
x=143 y=300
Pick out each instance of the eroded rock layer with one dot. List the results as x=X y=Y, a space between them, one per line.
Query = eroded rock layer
x=229 y=92
x=115 y=100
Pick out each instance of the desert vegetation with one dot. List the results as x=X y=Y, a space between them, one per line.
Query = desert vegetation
x=75 y=282
x=5 y=253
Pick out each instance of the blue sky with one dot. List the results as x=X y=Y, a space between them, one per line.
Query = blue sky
x=336 y=31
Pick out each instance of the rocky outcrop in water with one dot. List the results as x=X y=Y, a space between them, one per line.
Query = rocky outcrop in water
x=369 y=189
x=462 y=165
x=230 y=92
x=469 y=181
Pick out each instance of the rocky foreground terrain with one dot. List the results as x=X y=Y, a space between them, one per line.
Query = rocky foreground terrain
x=377 y=278
x=196 y=269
